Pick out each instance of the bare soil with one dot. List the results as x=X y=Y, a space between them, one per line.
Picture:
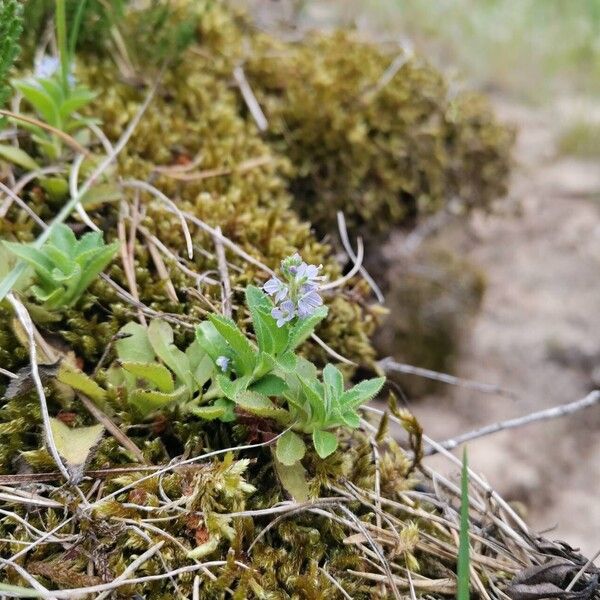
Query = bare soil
x=538 y=334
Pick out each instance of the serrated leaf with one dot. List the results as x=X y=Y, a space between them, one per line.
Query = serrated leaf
x=325 y=442
x=208 y=413
x=290 y=448
x=317 y=403
x=41 y=101
x=76 y=445
x=136 y=347
x=211 y=341
x=362 y=392
x=160 y=336
x=303 y=328
x=18 y=157
x=351 y=419
x=154 y=373
x=264 y=363
x=80 y=382
x=293 y=479
x=244 y=356
x=261 y=406
x=149 y=401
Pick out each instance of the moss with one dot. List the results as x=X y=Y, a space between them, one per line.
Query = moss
x=382 y=151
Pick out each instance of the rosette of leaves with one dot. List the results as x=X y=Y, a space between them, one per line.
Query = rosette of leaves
x=156 y=374
x=64 y=266
x=270 y=381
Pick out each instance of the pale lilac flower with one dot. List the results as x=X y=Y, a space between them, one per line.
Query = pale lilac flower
x=222 y=362
x=284 y=312
x=46 y=66
x=276 y=287
x=308 y=303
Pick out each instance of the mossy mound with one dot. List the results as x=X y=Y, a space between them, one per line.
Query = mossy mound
x=375 y=134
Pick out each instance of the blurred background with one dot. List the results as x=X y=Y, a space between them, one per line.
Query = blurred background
x=527 y=317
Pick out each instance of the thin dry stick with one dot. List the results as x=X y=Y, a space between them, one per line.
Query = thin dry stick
x=331 y=351
x=162 y=271
x=8 y=373
x=73 y=177
x=336 y=583
x=112 y=428
x=250 y=99
x=27 y=324
x=223 y=272
x=12 y=196
x=350 y=251
x=581 y=571
x=555 y=412
x=353 y=271
x=61 y=134
x=389 y=365
x=133 y=567
x=22 y=183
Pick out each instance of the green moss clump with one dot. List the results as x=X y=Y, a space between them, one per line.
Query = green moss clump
x=383 y=151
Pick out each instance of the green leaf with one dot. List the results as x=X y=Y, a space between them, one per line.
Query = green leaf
x=271 y=339
x=290 y=448
x=361 y=392
x=264 y=364
x=149 y=401
x=269 y=385
x=303 y=328
x=160 y=336
x=64 y=239
x=18 y=157
x=261 y=406
x=208 y=413
x=41 y=101
x=351 y=419
x=76 y=445
x=94 y=267
x=317 y=403
x=78 y=98
x=136 y=347
x=230 y=388
x=37 y=259
x=325 y=442
x=244 y=358
x=333 y=385
x=16 y=591
x=229 y=408
x=80 y=382
x=212 y=341
x=463 y=569
x=154 y=373
x=293 y=479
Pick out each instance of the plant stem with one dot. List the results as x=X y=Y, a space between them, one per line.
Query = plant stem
x=61 y=38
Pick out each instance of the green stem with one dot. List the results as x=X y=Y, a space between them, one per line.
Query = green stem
x=75 y=28
x=61 y=38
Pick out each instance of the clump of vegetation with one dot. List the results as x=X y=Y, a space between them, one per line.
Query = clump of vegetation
x=375 y=133
x=11 y=26
x=177 y=424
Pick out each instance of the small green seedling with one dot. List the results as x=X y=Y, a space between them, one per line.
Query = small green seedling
x=64 y=266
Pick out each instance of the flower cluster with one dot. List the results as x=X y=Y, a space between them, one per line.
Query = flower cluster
x=297 y=294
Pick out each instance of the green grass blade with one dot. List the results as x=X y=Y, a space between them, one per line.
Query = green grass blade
x=463 y=547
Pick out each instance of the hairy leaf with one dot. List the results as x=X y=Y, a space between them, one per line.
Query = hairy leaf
x=325 y=442
x=290 y=448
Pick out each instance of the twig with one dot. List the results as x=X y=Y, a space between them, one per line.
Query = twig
x=331 y=351
x=581 y=571
x=350 y=251
x=12 y=196
x=250 y=99
x=246 y=165
x=133 y=567
x=389 y=365
x=31 y=580
x=27 y=324
x=336 y=583
x=61 y=134
x=162 y=271
x=8 y=373
x=555 y=412
x=112 y=428
x=222 y=263
x=353 y=271
x=22 y=183
x=73 y=177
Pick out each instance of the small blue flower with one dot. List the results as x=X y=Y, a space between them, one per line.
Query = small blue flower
x=46 y=66
x=284 y=312
x=222 y=362
x=276 y=287
x=308 y=303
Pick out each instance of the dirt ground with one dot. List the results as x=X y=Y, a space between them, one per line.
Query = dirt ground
x=537 y=334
